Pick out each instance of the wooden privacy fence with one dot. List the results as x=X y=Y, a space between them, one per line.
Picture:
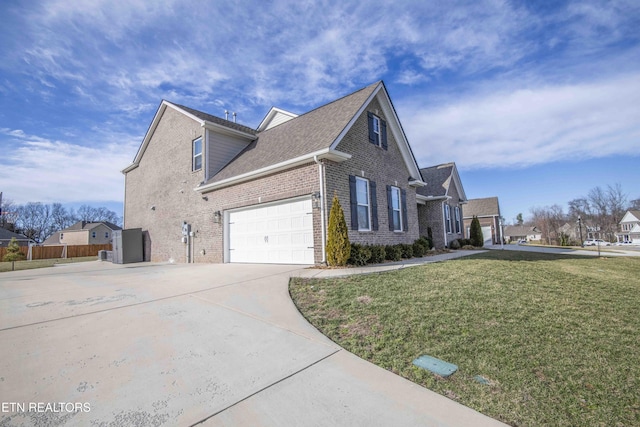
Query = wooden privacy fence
x=48 y=252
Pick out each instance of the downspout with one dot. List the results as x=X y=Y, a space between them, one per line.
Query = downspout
x=322 y=207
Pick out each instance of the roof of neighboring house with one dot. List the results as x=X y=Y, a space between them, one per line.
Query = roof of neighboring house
x=310 y=132
x=635 y=213
x=438 y=181
x=54 y=239
x=8 y=235
x=488 y=206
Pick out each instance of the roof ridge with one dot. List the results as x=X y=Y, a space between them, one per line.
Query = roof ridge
x=325 y=105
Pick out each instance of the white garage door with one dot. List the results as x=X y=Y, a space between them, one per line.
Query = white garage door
x=486 y=234
x=279 y=233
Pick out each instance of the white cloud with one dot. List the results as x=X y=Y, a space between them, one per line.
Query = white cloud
x=525 y=127
x=36 y=169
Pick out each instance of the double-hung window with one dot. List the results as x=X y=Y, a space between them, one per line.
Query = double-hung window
x=364 y=207
x=197 y=154
x=396 y=209
x=457 y=214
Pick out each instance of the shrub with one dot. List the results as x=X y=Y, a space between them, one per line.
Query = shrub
x=455 y=244
x=360 y=255
x=475 y=233
x=338 y=247
x=393 y=252
x=419 y=248
x=406 y=250
x=13 y=251
x=377 y=254
x=426 y=241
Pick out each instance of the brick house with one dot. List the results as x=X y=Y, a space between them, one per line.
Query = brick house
x=488 y=212
x=206 y=189
x=440 y=204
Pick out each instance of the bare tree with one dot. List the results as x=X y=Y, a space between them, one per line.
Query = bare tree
x=635 y=204
x=91 y=214
x=34 y=221
x=548 y=220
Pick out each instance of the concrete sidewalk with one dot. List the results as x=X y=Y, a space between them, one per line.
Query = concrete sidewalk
x=320 y=273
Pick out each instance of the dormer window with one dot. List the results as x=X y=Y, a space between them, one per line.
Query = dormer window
x=197 y=154
x=377 y=131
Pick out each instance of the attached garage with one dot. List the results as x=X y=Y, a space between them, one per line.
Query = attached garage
x=277 y=233
x=486 y=234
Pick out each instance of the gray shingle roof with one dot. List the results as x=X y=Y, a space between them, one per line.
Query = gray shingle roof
x=217 y=120
x=438 y=179
x=8 y=235
x=482 y=207
x=305 y=134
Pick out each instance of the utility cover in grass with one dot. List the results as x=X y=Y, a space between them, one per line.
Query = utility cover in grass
x=437 y=366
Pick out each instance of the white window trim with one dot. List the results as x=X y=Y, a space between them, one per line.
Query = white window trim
x=396 y=191
x=447 y=218
x=378 y=132
x=368 y=204
x=457 y=215
x=194 y=155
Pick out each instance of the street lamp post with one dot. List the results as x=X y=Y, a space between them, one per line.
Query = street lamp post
x=580 y=227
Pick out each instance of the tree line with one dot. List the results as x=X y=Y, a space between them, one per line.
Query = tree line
x=38 y=221
x=600 y=212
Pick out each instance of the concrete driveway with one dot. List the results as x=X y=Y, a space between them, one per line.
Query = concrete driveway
x=160 y=344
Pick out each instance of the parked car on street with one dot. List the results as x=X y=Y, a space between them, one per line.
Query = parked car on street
x=594 y=242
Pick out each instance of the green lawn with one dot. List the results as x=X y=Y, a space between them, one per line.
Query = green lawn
x=557 y=337
x=40 y=263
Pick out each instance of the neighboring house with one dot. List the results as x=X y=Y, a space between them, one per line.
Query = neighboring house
x=513 y=233
x=83 y=233
x=206 y=189
x=440 y=204
x=630 y=228
x=6 y=236
x=488 y=212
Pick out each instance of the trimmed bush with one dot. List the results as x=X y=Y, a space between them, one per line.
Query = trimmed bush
x=338 y=247
x=378 y=254
x=475 y=233
x=426 y=241
x=406 y=250
x=455 y=244
x=419 y=249
x=393 y=252
x=360 y=255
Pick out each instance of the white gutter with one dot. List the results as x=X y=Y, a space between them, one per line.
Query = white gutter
x=323 y=206
x=326 y=153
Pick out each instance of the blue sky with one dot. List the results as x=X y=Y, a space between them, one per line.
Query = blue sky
x=536 y=102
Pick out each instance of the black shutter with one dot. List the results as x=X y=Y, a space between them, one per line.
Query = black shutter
x=383 y=125
x=354 y=202
x=372 y=135
x=405 y=226
x=374 y=206
x=390 y=208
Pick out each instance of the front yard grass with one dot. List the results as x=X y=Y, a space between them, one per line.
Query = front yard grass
x=556 y=337
x=41 y=263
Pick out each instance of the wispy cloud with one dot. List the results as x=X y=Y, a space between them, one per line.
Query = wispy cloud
x=36 y=168
x=530 y=126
